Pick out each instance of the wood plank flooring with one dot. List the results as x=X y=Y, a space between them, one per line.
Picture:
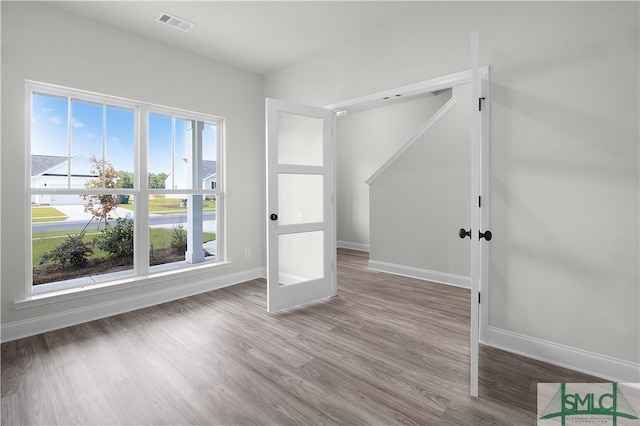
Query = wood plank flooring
x=387 y=350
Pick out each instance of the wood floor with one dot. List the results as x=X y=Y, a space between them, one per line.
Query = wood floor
x=387 y=350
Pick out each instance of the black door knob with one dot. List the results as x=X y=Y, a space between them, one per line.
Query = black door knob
x=486 y=235
x=273 y=216
x=462 y=233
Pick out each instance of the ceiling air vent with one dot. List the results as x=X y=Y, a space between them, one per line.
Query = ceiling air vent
x=174 y=21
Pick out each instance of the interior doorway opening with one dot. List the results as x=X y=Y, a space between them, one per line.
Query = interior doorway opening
x=478 y=188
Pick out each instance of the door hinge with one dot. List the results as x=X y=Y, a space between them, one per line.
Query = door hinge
x=480 y=103
x=479 y=200
x=478 y=297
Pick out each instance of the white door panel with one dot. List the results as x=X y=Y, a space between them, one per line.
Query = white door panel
x=480 y=235
x=301 y=242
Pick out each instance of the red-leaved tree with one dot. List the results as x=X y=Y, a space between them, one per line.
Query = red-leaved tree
x=100 y=206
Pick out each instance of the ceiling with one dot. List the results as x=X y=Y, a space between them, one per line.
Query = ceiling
x=257 y=36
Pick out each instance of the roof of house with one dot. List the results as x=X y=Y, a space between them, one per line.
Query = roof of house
x=42 y=163
x=208 y=168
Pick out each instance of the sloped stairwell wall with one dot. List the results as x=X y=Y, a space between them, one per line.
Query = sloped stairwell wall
x=421 y=200
x=366 y=139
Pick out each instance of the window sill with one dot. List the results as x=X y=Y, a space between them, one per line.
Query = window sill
x=103 y=287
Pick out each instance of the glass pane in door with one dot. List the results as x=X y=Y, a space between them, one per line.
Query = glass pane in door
x=300 y=198
x=299 y=139
x=301 y=257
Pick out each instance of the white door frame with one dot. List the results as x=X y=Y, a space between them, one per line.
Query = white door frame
x=480 y=179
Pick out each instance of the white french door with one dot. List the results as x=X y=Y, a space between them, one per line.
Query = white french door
x=301 y=237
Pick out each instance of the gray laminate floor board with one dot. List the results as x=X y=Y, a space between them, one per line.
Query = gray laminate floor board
x=386 y=350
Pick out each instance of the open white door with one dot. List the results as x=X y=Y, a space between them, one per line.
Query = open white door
x=301 y=237
x=479 y=202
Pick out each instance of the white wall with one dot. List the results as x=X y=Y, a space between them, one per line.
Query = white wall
x=45 y=44
x=564 y=151
x=419 y=203
x=365 y=140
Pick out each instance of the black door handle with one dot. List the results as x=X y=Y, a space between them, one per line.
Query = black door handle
x=462 y=233
x=486 y=235
x=273 y=216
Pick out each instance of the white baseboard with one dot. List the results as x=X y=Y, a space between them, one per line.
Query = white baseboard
x=564 y=356
x=421 y=274
x=42 y=324
x=353 y=246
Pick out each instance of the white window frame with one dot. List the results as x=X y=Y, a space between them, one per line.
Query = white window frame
x=141 y=191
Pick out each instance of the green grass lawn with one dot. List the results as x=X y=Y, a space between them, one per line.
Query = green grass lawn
x=161 y=237
x=46 y=214
x=157 y=205
x=161 y=205
x=44 y=242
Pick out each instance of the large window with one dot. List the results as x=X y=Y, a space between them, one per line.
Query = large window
x=119 y=188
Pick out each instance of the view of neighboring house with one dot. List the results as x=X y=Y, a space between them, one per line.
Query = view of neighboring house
x=209 y=177
x=52 y=171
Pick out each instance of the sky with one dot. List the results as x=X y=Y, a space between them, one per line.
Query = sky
x=95 y=128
